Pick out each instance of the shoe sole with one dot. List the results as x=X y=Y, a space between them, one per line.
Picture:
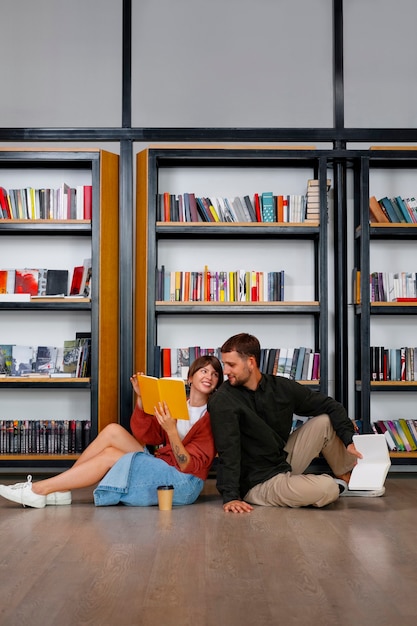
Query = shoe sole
x=376 y=493
x=57 y=501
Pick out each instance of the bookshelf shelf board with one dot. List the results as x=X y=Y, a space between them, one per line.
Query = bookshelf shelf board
x=393 y=308
x=403 y=455
x=38 y=457
x=388 y=308
x=237 y=307
x=52 y=304
x=237 y=229
x=391 y=231
x=45 y=382
x=389 y=385
x=49 y=227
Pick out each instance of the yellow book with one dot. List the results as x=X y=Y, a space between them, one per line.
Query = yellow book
x=232 y=296
x=214 y=213
x=170 y=390
x=408 y=434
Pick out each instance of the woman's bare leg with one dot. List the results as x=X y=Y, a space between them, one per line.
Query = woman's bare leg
x=112 y=435
x=85 y=475
x=100 y=455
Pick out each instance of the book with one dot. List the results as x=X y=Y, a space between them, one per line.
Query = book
x=26 y=281
x=403 y=208
x=56 y=283
x=170 y=390
x=391 y=210
x=15 y=297
x=3 y=281
x=405 y=430
x=380 y=428
x=370 y=472
x=77 y=276
x=45 y=359
x=391 y=427
x=23 y=360
x=88 y=202
x=268 y=207
x=6 y=359
x=5 y=211
x=405 y=300
x=86 y=279
x=70 y=356
x=377 y=214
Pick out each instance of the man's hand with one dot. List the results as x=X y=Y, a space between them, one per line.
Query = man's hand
x=237 y=506
x=352 y=450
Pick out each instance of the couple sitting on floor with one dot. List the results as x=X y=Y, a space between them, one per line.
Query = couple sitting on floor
x=247 y=420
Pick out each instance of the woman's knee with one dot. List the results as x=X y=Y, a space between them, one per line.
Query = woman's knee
x=111 y=432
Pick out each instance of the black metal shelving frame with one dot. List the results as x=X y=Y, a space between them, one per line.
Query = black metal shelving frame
x=338 y=136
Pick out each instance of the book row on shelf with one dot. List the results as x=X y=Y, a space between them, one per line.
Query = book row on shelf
x=393 y=286
x=41 y=282
x=400 y=434
x=262 y=207
x=295 y=363
x=73 y=359
x=397 y=210
x=219 y=286
x=63 y=203
x=395 y=364
x=44 y=436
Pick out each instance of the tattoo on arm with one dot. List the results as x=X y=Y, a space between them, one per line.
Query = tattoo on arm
x=181 y=458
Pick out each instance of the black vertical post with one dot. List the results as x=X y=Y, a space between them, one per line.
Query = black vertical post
x=126 y=230
x=340 y=217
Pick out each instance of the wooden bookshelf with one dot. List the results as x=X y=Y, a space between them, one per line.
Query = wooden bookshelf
x=102 y=309
x=152 y=234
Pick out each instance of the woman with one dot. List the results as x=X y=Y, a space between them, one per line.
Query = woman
x=121 y=461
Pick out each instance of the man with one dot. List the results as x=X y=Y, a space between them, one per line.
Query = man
x=260 y=462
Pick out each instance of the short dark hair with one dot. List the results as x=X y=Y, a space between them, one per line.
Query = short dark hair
x=202 y=361
x=244 y=344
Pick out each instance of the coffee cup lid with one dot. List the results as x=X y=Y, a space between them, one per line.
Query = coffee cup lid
x=165 y=487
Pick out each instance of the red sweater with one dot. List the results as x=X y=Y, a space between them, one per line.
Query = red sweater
x=198 y=442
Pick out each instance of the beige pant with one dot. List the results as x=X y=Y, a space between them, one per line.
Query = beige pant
x=295 y=489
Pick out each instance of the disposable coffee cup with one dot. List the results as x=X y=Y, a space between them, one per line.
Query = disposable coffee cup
x=165 y=495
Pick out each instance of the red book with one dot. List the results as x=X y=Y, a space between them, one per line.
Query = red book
x=4 y=205
x=257 y=207
x=166 y=362
x=280 y=208
x=88 y=202
x=315 y=375
x=77 y=277
x=167 y=207
x=405 y=299
x=26 y=281
x=3 y=281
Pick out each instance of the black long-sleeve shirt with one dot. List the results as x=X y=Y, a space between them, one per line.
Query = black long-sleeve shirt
x=251 y=428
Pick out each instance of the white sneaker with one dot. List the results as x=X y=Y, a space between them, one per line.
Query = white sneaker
x=370 y=493
x=58 y=498
x=22 y=494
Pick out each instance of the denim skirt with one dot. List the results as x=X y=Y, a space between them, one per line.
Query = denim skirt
x=134 y=479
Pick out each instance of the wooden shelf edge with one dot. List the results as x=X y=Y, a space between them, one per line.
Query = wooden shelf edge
x=5 y=220
x=307 y=224
x=403 y=455
x=38 y=457
x=43 y=379
x=234 y=303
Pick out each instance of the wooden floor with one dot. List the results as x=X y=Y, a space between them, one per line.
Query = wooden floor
x=351 y=564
